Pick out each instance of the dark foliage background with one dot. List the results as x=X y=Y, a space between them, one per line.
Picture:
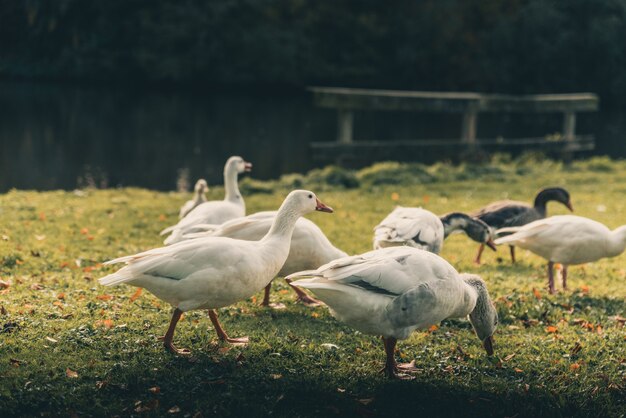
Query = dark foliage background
x=514 y=46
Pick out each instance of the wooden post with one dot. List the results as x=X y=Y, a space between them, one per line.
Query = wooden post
x=468 y=133
x=344 y=126
x=569 y=126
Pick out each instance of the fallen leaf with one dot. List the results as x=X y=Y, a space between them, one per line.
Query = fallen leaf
x=276 y=376
x=584 y=288
x=52 y=340
x=224 y=350
x=574 y=366
x=15 y=362
x=537 y=294
x=162 y=217
x=433 y=328
x=104 y=297
x=136 y=294
x=155 y=390
x=36 y=286
x=551 y=329
x=42 y=216
x=40 y=237
x=518 y=370
x=71 y=373
x=84 y=231
x=395 y=196
x=4 y=285
x=365 y=401
x=61 y=296
x=426 y=198
x=315 y=315
x=509 y=357
x=174 y=410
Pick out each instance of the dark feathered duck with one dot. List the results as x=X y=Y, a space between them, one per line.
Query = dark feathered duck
x=511 y=213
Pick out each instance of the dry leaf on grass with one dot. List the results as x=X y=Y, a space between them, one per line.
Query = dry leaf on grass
x=71 y=373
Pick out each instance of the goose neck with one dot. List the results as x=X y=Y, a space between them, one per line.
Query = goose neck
x=230 y=185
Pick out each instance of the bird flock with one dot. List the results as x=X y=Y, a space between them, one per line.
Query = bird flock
x=216 y=256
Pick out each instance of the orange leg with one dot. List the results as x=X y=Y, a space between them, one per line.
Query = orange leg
x=480 y=253
x=551 y=277
x=221 y=334
x=391 y=367
x=169 y=335
x=303 y=297
x=512 y=249
x=266 y=295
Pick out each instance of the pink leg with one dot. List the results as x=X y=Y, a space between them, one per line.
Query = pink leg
x=551 y=277
x=221 y=334
x=169 y=335
x=303 y=297
x=391 y=367
x=480 y=252
x=512 y=249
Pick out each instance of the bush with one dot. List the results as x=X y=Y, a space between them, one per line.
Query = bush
x=391 y=172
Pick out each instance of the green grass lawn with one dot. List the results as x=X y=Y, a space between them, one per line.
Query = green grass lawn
x=71 y=347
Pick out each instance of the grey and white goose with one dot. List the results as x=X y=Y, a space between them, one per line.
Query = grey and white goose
x=393 y=291
x=511 y=213
x=420 y=228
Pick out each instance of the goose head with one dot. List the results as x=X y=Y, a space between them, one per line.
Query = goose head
x=484 y=317
x=557 y=194
x=302 y=202
x=476 y=229
x=236 y=164
x=201 y=187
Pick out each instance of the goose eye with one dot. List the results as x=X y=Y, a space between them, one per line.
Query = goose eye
x=404 y=309
x=310 y=196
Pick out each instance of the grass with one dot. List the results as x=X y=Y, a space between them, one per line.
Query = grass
x=71 y=347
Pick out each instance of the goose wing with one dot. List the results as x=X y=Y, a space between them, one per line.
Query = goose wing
x=390 y=270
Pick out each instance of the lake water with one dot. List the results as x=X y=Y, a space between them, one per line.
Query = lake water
x=61 y=137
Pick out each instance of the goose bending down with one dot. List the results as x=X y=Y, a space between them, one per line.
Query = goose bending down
x=511 y=213
x=420 y=228
x=566 y=239
x=213 y=272
x=199 y=190
x=309 y=249
x=394 y=291
x=215 y=211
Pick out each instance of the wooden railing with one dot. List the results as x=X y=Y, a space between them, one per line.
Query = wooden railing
x=347 y=101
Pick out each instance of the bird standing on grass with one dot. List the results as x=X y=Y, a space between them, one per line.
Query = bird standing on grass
x=213 y=272
x=510 y=213
x=199 y=190
x=566 y=239
x=393 y=291
x=215 y=211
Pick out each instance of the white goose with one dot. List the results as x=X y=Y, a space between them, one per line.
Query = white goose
x=215 y=211
x=199 y=189
x=420 y=228
x=393 y=291
x=566 y=239
x=209 y=273
x=310 y=248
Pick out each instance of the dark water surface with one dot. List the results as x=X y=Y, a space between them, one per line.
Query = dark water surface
x=61 y=137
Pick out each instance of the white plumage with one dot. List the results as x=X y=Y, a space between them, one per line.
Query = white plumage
x=309 y=249
x=567 y=240
x=393 y=291
x=414 y=227
x=213 y=272
x=199 y=190
x=216 y=211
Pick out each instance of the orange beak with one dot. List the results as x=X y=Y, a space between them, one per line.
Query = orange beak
x=247 y=166
x=322 y=207
x=570 y=206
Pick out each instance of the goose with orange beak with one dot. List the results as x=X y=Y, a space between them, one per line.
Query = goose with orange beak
x=213 y=272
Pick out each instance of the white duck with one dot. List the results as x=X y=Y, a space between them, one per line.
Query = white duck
x=566 y=239
x=420 y=228
x=394 y=291
x=199 y=189
x=310 y=248
x=209 y=273
x=215 y=211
